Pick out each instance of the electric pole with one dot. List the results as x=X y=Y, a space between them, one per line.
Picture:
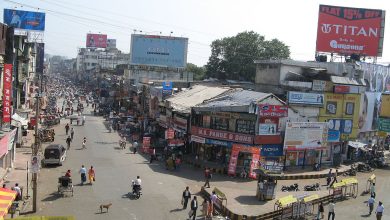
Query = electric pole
x=35 y=153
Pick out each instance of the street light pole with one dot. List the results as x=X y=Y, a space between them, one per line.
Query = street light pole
x=35 y=153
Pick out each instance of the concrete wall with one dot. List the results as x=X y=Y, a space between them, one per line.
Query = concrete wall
x=268 y=74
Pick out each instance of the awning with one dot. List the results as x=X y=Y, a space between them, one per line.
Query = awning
x=20 y=119
x=6 y=198
x=356 y=144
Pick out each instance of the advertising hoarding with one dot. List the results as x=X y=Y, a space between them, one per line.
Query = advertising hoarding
x=222 y=135
x=305 y=135
x=159 y=50
x=385 y=106
x=305 y=98
x=345 y=30
x=277 y=111
x=271 y=150
x=7 y=91
x=40 y=57
x=267 y=129
x=28 y=20
x=96 y=40
x=384 y=124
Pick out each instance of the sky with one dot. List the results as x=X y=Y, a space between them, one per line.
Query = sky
x=202 y=21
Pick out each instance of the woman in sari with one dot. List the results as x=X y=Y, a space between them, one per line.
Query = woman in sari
x=91 y=175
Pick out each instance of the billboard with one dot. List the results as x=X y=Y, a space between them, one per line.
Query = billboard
x=7 y=91
x=345 y=30
x=96 y=40
x=111 y=43
x=384 y=124
x=385 y=106
x=305 y=135
x=27 y=20
x=40 y=57
x=279 y=111
x=305 y=98
x=159 y=50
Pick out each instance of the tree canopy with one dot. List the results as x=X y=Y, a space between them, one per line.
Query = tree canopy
x=233 y=57
x=199 y=72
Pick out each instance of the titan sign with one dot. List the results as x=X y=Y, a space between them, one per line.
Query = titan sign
x=350 y=30
x=162 y=51
x=96 y=40
x=27 y=20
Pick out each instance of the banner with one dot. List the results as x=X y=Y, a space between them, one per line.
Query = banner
x=145 y=144
x=254 y=165
x=267 y=129
x=349 y=31
x=305 y=135
x=4 y=145
x=28 y=20
x=306 y=98
x=233 y=161
x=96 y=40
x=7 y=91
x=278 y=111
x=385 y=106
x=272 y=150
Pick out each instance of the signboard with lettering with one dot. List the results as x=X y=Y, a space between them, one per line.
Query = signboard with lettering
x=7 y=93
x=222 y=135
x=277 y=111
x=305 y=135
x=271 y=150
x=384 y=124
x=345 y=30
x=305 y=98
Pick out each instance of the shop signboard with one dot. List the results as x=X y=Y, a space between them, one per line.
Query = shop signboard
x=268 y=139
x=169 y=133
x=322 y=86
x=198 y=139
x=271 y=150
x=384 y=124
x=222 y=135
x=346 y=89
x=7 y=93
x=344 y=126
x=3 y=145
x=219 y=142
x=254 y=165
x=385 y=106
x=333 y=136
x=233 y=161
x=306 y=98
x=145 y=144
x=175 y=142
x=278 y=111
x=346 y=30
x=267 y=129
x=180 y=123
x=27 y=20
x=305 y=135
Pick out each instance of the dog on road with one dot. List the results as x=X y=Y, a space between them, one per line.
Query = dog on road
x=105 y=206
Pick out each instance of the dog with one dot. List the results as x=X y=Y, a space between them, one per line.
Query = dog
x=105 y=206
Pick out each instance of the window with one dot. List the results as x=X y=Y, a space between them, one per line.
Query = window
x=206 y=121
x=349 y=108
x=245 y=126
x=219 y=123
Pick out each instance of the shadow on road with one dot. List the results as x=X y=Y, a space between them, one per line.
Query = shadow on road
x=176 y=210
x=365 y=216
x=249 y=200
x=52 y=197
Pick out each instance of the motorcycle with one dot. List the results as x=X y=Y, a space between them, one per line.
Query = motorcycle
x=290 y=188
x=351 y=172
x=377 y=162
x=312 y=187
x=364 y=168
x=136 y=193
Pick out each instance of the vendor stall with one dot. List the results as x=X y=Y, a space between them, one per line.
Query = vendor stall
x=266 y=185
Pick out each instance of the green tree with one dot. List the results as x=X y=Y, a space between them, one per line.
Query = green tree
x=199 y=72
x=233 y=57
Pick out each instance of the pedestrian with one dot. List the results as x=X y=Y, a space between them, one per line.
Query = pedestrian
x=207 y=176
x=71 y=133
x=83 y=145
x=210 y=209
x=135 y=146
x=370 y=204
x=335 y=178
x=152 y=154
x=329 y=178
x=194 y=207
x=83 y=173
x=68 y=174
x=320 y=214
x=205 y=206
x=67 y=128
x=379 y=211
x=185 y=197
x=331 y=210
x=68 y=141
x=372 y=190
x=18 y=192
x=83 y=120
x=91 y=175
x=4 y=186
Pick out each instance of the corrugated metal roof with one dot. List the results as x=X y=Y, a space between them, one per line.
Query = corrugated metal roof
x=236 y=97
x=183 y=101
x=345 y=80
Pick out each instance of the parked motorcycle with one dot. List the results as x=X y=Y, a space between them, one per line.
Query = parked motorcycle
x=312 y=187
x=291 y=188
x=351 y=172
x=362 y=167
x=377 y=162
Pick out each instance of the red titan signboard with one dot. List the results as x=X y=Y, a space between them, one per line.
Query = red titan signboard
x=97 y=40
x=350 y=30
x=7 y=91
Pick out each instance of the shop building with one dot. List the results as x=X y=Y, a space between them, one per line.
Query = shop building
x=229 y=131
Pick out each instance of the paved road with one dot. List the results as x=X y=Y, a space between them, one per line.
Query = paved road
x=114 y=170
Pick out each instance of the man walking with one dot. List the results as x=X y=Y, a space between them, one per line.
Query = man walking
x=185 y=197
x=335 y=178
x=372 y=190
x=331 y=210
x=379 y=211
x=71 y=133
x=68 y=141
x=370 y=203
x=207 y=176
x=83 y=174
x=329 y=178
x=194 y=207
x=66 y=129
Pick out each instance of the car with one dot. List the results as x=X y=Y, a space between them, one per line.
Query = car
x=55 y=154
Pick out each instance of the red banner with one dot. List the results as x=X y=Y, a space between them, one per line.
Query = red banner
x=349 y=30
x=254 y=165
x=7 y=91
x=96 y=40
x=145 y=144
x=233 y=161
x=277 y=111
x=222 y=135
x=169 y=133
